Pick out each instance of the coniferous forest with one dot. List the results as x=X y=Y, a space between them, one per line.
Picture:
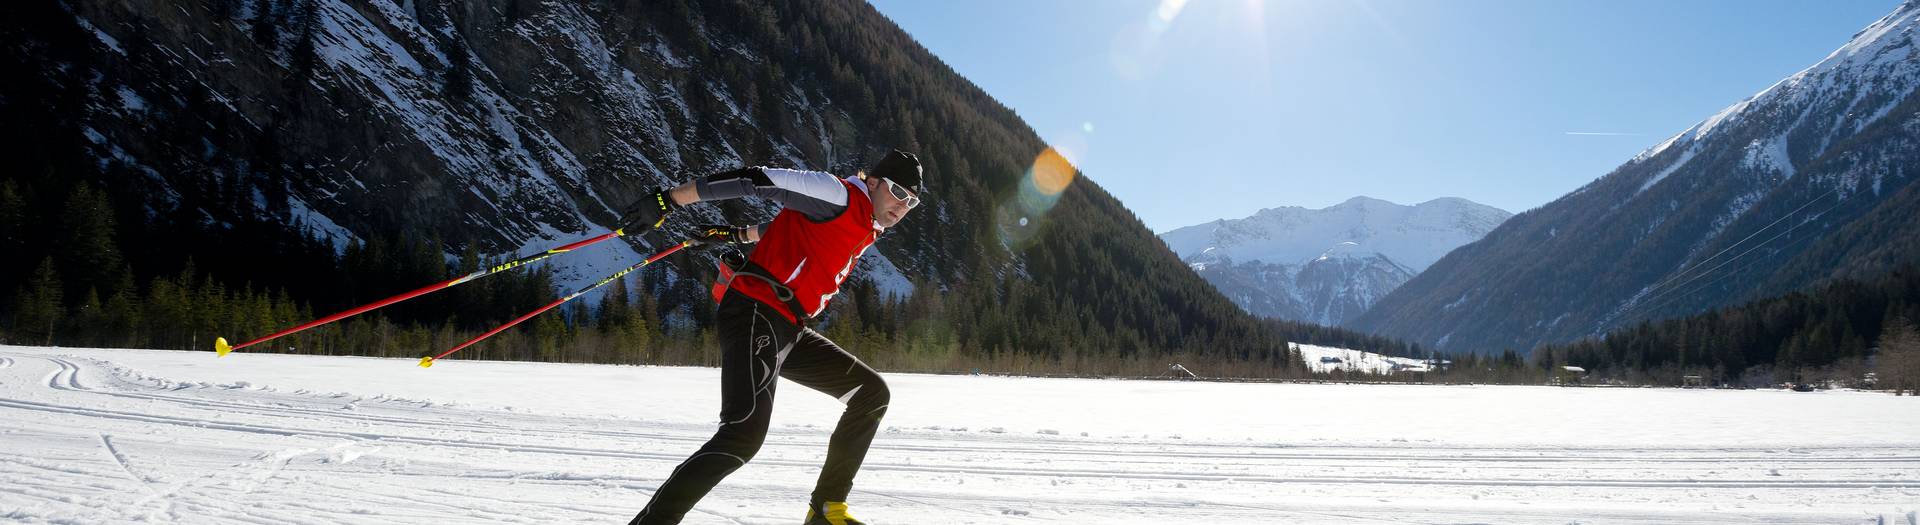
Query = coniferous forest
x=1850 y=332
x=82 y=289
x=75 y=284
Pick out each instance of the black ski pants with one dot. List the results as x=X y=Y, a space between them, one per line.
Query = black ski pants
x=757 y=346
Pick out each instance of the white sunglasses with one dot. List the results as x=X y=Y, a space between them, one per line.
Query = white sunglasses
x=900 y=193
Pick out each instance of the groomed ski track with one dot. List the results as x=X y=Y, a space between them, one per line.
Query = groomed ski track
x=86 y=438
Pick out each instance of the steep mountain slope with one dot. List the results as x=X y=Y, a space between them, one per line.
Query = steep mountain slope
x=1806 y=180
x=508 y=126
x=1328 y=265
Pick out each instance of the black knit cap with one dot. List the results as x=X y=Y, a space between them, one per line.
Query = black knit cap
x=900 y=167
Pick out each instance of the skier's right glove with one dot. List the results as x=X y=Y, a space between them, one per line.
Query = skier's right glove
x=712 y=236
x=648 y=213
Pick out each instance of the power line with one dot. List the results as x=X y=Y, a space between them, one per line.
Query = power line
x=1710 y=284
x=1710 y=271
x=1703 y=262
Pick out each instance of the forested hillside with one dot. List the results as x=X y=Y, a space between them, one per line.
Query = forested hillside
x=228 y=166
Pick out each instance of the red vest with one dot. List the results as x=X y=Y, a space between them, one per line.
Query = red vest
x=811 y=257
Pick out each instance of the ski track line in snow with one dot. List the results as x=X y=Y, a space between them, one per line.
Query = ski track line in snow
x=68 y=371
x=410 y=431
x=1098 y=448
x=66 y=379
x=121 y=460
x=165 y=497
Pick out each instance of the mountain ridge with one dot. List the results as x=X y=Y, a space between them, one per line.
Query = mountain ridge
x=1327 y=265
x=1746 y=203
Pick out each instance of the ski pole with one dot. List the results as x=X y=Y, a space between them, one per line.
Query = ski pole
x=221 y=347
x=428 y=361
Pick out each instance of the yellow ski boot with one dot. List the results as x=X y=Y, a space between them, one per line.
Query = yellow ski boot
x=830 y=513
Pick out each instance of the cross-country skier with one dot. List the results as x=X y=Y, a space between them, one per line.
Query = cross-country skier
x=796 y=266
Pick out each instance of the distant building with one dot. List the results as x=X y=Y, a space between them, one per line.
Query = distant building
x=1568 y=376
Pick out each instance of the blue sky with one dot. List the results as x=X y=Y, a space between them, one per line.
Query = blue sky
x=1218 y=108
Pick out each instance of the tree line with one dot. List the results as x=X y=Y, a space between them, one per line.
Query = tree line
x=84 y=290
x=1848 y=332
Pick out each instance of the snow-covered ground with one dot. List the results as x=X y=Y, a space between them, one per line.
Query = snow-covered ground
x=1328 y=359
x=118 y=436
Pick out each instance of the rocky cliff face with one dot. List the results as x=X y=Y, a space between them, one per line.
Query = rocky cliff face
x=516 y=125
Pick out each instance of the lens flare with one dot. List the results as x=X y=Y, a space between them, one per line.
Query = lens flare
x=1051 y=172
x=1136 y=51
x=1163 y=16
x=1046 y=179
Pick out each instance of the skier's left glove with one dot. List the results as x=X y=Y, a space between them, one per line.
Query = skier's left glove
x=712 y=236
x=648 y=213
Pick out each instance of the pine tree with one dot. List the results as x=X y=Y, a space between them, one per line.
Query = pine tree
x=647 y=319
x=87 y=255
x=548 y=329
x=615 y=306
x=209 y=311
x=13 y=219
x=87 y=322
x=253 y=314
x=165 y=312
x=266 y=31
x=304 y=55
x=123 y=324
x=37 y=306
x=459 y=80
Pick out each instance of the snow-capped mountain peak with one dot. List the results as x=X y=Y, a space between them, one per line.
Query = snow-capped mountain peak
x=1882 y=54
x=1329 y=264
x=1415 y=236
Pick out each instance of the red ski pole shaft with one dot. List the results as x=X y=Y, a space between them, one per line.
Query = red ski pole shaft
x=221 y=347
x=428 y=361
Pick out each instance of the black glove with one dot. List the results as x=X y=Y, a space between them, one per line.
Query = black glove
x=711 y=236
x=648 y=213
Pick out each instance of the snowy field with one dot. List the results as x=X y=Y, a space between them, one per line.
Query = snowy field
x=1328 y=359
x=130 y=436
